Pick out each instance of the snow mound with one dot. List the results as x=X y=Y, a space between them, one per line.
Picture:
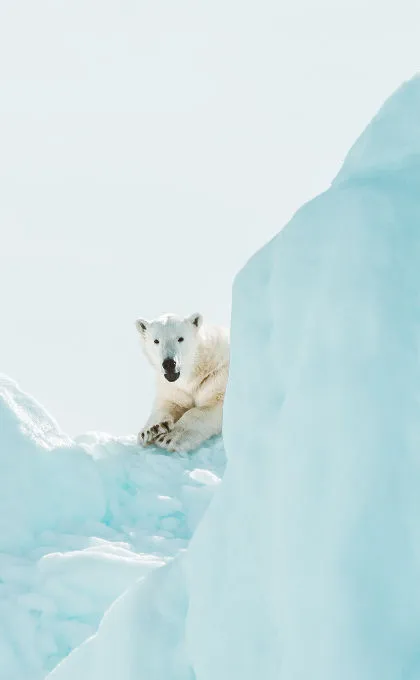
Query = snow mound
x=80 y=522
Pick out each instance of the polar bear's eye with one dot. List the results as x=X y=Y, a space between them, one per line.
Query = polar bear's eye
x=180 y=339
x=156 y=341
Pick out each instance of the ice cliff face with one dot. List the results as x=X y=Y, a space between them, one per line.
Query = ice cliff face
x=391 y=143
x=307 y=563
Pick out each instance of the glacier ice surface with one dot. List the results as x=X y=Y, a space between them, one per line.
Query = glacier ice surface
x=307 y=564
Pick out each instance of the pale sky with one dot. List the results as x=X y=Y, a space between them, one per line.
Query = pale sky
x=147 y=149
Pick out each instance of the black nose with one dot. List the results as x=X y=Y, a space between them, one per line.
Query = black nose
x=169 y=365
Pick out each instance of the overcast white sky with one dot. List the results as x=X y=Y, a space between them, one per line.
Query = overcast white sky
x=147 y=149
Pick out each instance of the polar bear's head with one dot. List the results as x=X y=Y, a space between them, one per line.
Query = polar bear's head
x=170 y=342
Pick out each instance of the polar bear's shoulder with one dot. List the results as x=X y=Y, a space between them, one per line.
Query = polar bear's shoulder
x=215 y=341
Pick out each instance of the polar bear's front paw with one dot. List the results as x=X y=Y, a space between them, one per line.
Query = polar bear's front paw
x=150 y=433
x=179 y=440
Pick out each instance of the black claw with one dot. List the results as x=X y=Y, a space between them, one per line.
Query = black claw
x=168 y=441
x=142 y=435
x=166 y=426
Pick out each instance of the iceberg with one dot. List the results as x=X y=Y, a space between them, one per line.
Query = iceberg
x=307 y=563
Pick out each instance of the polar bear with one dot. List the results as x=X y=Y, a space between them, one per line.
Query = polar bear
x=191 y=364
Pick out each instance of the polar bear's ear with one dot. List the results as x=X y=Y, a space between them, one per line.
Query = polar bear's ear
x=196 y=320
x=141 y=325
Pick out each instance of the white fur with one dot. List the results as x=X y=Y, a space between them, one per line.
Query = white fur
x=187 y=411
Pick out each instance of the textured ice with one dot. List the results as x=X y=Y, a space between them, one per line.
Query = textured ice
x=307 y=564
x=80 y=522
x=142 y=635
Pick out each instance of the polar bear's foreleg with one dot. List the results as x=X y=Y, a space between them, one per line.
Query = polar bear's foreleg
x=193 y=428
x=160 y=421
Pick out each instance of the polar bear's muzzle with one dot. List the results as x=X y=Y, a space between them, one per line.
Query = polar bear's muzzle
x=170 y=370
x=171 y=377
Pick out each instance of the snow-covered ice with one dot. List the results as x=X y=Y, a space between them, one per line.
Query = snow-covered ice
x=80 y=522
x=142 y=635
